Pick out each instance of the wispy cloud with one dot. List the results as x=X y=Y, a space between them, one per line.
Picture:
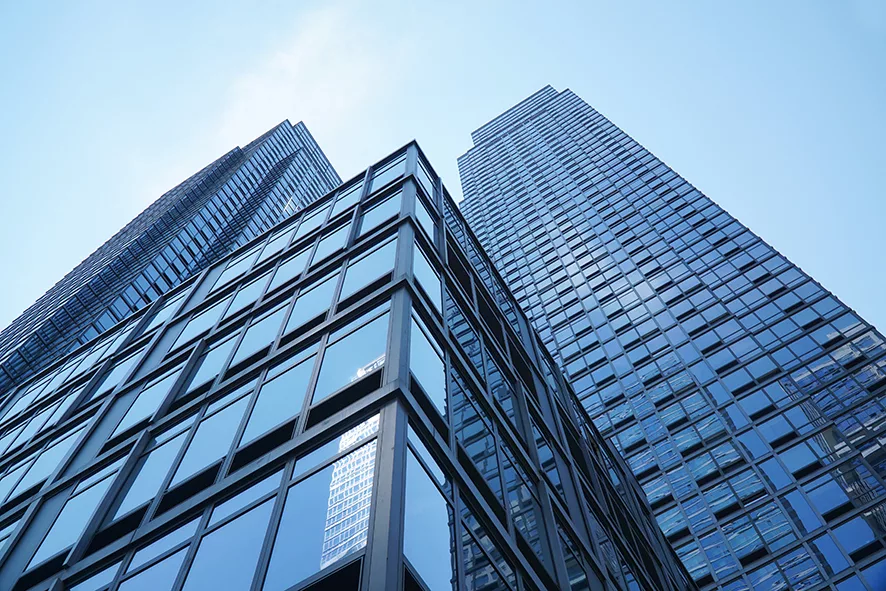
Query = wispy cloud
x=331 y=72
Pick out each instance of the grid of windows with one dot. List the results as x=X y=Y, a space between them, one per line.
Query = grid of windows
x=731 y=382
x=187 y=229
x=351 y=386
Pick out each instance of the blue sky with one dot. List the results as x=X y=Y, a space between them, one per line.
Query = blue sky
x=774 y=110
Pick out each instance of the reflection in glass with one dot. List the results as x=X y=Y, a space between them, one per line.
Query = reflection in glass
x=211 y=441
x=388 y=173
x=227 y=557
x=426 y=364
x=424 y=218
x=316 y=300
x=428 y=532
x=259 y=335
x=331 y=243
x=201 y=323
x=289 y=269
x=150 y=476
x=71 y=521
x=427 y=277
x=381 y=212
x=352 y=357
x=212 y=363
x=148 y=401
x=156 y=577
x=368 y=268
x=279 y=399
x=326 y=517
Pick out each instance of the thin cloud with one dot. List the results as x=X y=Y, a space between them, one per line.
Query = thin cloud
x=330 y=73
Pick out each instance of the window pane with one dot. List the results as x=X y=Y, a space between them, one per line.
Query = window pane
x=212 y=363
x=331 y=243
x=71 y=521
x=153 y=470
x=148 y=401
x=347 y=198
x=237 y=267
x=226 y=558
x=201 y=323
x=159 y=577
x=279 y=399
x=325 y=517
x=167 y=542
x=388 y=173
x=427 y=366
x=211 y=441
x=428 y=535
x=247 y=295
x=46 y=463
x=425 y=179
x=254 y=492
x=277 y=244
x=97 y=580
x=424 y=218
x=165 y=312
x=427 y=278
x=312 y=222
x=368 y=268
x=310 y=304
x=292 y=267
x=259 y=335
x=382 y=212
x=352 y=357
x=349 y=438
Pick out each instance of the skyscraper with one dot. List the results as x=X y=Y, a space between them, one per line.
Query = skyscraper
x=746 y=398
x=232 y=200
x=350 y=400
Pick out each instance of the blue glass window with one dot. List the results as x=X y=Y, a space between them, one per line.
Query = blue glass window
x=324 y=519
x=428 y=532
x=426 y=364
x=381 y=212
x=369 y=267
x=312 y=301
x=352 y=356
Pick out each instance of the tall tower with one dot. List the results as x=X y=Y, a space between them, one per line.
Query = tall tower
x=746 y=398
x=232 y=200
x=351 y=400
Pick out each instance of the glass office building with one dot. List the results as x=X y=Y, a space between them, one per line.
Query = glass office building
x=350 y=400
x=221 y=207
x=744 y=396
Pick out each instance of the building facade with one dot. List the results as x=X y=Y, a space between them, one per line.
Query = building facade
x=351 y=400
x=232 y=200
x=745 y=397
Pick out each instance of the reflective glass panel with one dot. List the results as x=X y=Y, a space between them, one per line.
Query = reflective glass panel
x=325 y=518
x=427 y=278
x=290 y=268
x=279 y=399
x=368 y=268
x=426 y=364
x=381 y=212
x=227 y=557
x=157 y=577
x=428 y=529
x=211 y=441
x=352 y=357
x=260 y=334
x=71 y=521
x=313 y=302
x=331 y=243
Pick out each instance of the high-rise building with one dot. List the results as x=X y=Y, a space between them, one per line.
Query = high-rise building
x=232 y=200
x=746 y=398
x=351 y=400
